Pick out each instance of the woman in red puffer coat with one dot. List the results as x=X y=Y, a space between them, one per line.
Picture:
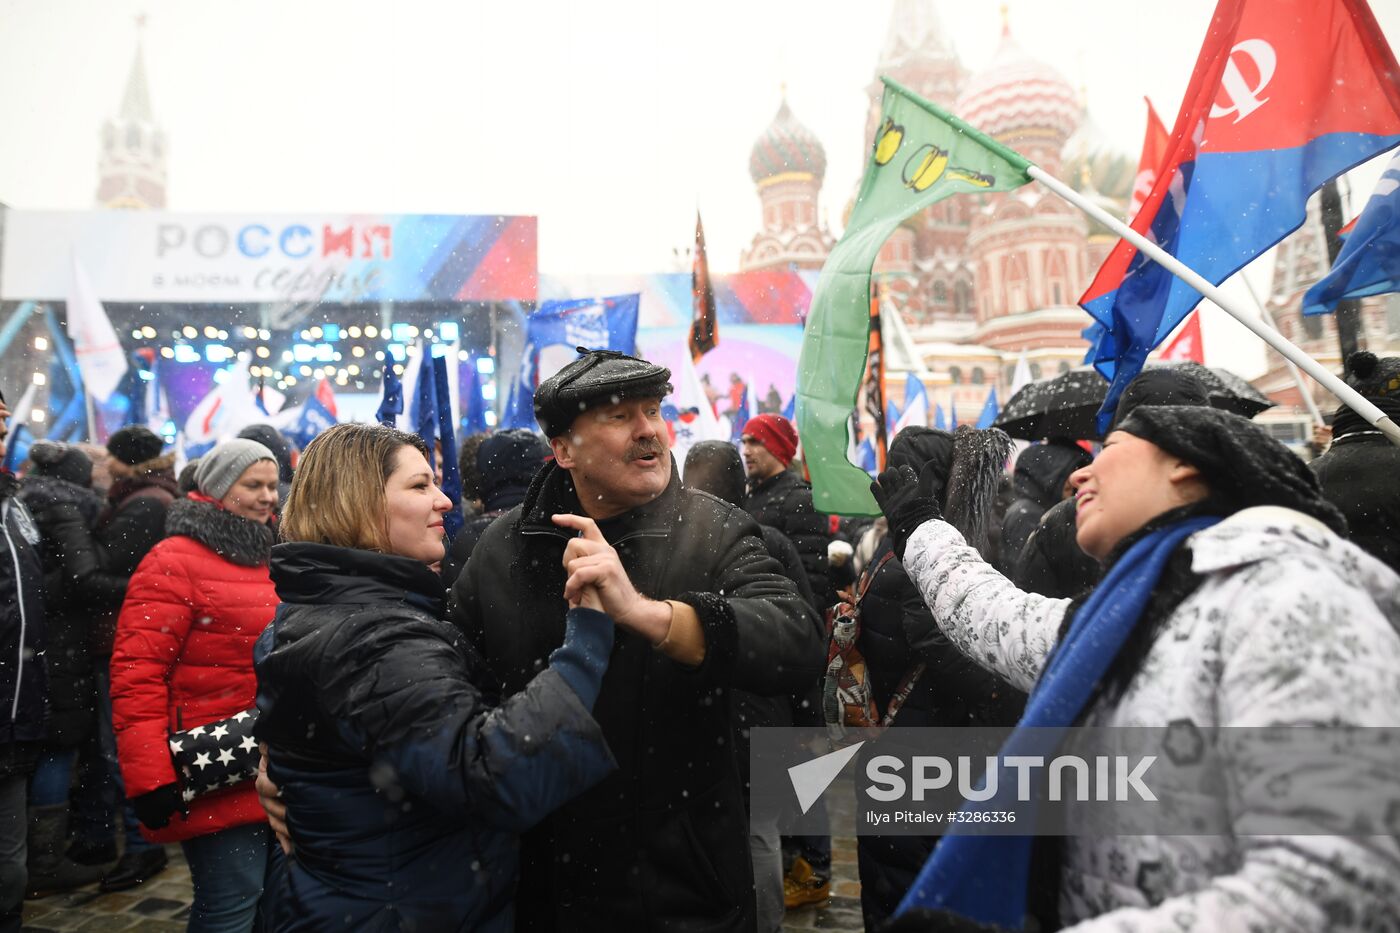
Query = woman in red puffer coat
x=183 y=657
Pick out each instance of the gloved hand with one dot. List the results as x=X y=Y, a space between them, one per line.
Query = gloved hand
x=908 y=500
x=155 y=808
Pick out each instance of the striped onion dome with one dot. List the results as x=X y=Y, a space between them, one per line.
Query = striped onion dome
x=786 y=147
x=1017 y=93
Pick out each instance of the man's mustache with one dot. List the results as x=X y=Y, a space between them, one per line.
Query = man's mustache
x=639 y=450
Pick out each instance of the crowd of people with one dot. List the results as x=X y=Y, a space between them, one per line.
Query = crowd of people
x=279 y=661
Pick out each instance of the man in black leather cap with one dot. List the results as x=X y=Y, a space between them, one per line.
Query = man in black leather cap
x=663 y=841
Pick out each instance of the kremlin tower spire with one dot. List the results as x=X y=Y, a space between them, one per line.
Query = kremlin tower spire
x=131 y=168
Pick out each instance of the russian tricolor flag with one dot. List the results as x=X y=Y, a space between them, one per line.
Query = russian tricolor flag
x=1286 y=95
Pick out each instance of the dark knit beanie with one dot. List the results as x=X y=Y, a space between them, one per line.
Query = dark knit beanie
x=135 y=444
x=776 y=434
x=1243 y=466
x=61 y=461
x=505 y=463
x=1373 y=376
x=596 y=378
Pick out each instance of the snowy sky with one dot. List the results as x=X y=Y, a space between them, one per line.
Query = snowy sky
x=610 y=119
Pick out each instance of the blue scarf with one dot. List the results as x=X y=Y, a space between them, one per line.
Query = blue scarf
x=985 y=877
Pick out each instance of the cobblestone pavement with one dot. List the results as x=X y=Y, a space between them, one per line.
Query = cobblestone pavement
x=161 y=905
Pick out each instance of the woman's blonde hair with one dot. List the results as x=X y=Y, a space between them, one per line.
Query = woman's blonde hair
x=337 y=494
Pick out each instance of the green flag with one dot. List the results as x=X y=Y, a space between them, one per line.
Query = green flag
x=921 y=155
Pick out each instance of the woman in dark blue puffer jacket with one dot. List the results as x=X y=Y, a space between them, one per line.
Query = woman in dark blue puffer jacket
x=406 y=786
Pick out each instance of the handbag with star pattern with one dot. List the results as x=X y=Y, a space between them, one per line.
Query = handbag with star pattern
x=216 y=754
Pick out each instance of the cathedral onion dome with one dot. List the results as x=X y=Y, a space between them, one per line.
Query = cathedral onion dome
x=787 y=150
x=1017 y=95
x=1090 y=161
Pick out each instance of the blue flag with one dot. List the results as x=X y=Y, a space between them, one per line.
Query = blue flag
x=940 y=420
x=593 y=323
x=790 y=409
x=1369 y=263
x=391 y=405
x=423 y=412
x=315 y=417
x=451 y=479
x=989 y=411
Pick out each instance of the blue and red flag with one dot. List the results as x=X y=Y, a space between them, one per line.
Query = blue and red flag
x=1369 y=263
x=1286 y=95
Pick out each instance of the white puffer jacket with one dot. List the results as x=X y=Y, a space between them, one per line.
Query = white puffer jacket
x=1291 y=626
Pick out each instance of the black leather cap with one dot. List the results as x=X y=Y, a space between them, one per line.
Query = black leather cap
x=597 y=377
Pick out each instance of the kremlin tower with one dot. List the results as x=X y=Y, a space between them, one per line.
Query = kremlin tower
x=131 y=164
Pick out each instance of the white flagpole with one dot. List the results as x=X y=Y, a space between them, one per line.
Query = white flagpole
x=1273 y=338
x=1303 y=389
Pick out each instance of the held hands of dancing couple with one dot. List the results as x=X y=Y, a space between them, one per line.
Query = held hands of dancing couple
x=596 y=573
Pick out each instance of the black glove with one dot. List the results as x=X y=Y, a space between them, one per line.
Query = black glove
x=155 y=808
x=908 y=500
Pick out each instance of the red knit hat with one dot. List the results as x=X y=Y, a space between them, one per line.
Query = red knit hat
x=776 y=434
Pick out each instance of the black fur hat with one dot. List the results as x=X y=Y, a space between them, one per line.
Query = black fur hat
x=61 y=461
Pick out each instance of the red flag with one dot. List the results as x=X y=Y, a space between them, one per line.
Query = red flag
x=1187 y=344
x=704 y=325
x=326 y=396
x=1154 y=152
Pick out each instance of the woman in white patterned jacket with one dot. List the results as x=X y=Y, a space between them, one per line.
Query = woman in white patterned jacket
x=1229 y=600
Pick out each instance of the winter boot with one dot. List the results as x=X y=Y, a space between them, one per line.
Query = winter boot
x=802 y=886
x=50 y=870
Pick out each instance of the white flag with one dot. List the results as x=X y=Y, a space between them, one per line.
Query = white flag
x=226 y=410
x=915 y=412
x=1020 y=377
x=101 y=359
x=695 y=419
x=19 y=415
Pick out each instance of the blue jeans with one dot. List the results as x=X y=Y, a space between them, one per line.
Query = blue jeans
x=228 y=869
x=51 y=780
x=100 y=792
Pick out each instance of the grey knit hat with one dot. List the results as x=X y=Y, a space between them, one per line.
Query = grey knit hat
x=219 y=469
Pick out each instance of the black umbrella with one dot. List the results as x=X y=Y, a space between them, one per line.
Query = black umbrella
x=1227 y=391
x=1068 y=405
x=1064 y=406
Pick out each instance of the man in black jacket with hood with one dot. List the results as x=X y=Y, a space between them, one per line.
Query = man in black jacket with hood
x=663 y=841
x=24 y=699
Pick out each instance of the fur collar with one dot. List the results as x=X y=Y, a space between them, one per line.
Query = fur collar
x=237 y=540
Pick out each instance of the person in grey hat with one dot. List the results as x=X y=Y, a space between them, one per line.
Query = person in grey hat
x=225 y=474
x=690 y=571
